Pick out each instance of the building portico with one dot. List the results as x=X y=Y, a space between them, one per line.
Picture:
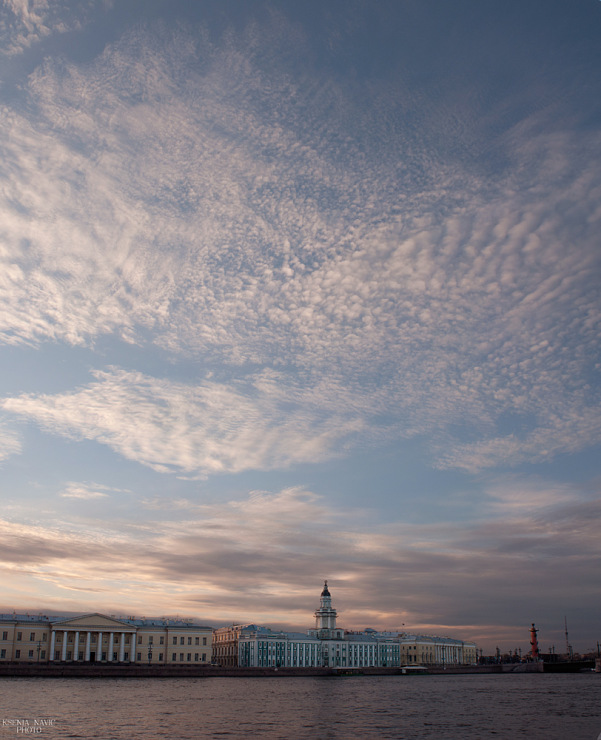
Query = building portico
x=92 y=638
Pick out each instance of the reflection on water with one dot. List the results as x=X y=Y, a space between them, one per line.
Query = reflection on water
x=533 y=706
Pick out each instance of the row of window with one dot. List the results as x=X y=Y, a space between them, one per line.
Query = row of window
x=198 y=657
x=18 y=654
x=93 y=638
x=80 y=655
x=70 y=638
x=32 y=637
x=182 y=640
x=196 y=640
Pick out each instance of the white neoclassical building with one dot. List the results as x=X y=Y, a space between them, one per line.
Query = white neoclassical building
x=331 y=646
x=327 y=645
x=97 y=638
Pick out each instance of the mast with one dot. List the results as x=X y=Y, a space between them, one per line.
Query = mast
x=568 y=646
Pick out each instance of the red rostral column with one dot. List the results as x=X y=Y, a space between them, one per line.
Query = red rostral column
x=534 y=642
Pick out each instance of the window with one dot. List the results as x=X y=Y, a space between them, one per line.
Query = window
x=204 y=657
x=32 y=637
x=139 y=656
x=17 y=653
x=3 y=653
x=196 y=657
x=204 y=640
x=19 y=636
x=181 y=657
x=31 y=653
x=174 y=655
x=175 y=640
x=189 y=657
x=43 y=655
x=140 y=640
x=197 y=640
x=160 y=657
x=44 y=636
x=5 y=635
x=161 y=640
x=181 y=640
x=189 y=640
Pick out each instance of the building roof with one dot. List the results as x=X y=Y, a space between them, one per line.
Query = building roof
x=133 y=621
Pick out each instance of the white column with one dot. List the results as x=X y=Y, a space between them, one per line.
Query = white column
x=64 y=652
x=88 y=642
x=111 y=646
x=122 y=648
x=52 y=642
x=76 y=646
x=132 y=654
x=99 y=654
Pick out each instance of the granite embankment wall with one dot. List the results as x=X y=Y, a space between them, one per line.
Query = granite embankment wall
x=105 y=670
x=101 y=670
x=497 y=668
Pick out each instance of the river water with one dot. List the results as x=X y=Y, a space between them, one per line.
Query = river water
x=505 y=707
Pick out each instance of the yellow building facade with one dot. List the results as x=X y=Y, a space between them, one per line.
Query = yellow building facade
x=426 y=650
x=97 y=638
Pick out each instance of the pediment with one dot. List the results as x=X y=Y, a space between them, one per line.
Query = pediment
x=94 y=621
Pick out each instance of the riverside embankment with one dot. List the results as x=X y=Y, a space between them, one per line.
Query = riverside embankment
x=102 y=670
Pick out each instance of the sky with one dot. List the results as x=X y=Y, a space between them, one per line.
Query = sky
x=294 y=291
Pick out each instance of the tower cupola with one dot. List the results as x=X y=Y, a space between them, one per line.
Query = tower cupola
x=325 y=616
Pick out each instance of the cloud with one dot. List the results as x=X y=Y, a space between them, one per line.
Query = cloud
x=178 y=193
x=86 y=491
x=205 y=428
x=25 y=23
x=10 y=442
x=579 y=428
x=512 y=495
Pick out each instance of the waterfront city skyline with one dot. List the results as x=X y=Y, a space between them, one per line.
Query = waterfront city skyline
x=294 y=291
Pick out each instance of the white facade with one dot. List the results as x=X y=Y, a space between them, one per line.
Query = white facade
x=263 y=648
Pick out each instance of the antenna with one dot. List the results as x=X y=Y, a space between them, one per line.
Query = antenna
x=568 y=646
